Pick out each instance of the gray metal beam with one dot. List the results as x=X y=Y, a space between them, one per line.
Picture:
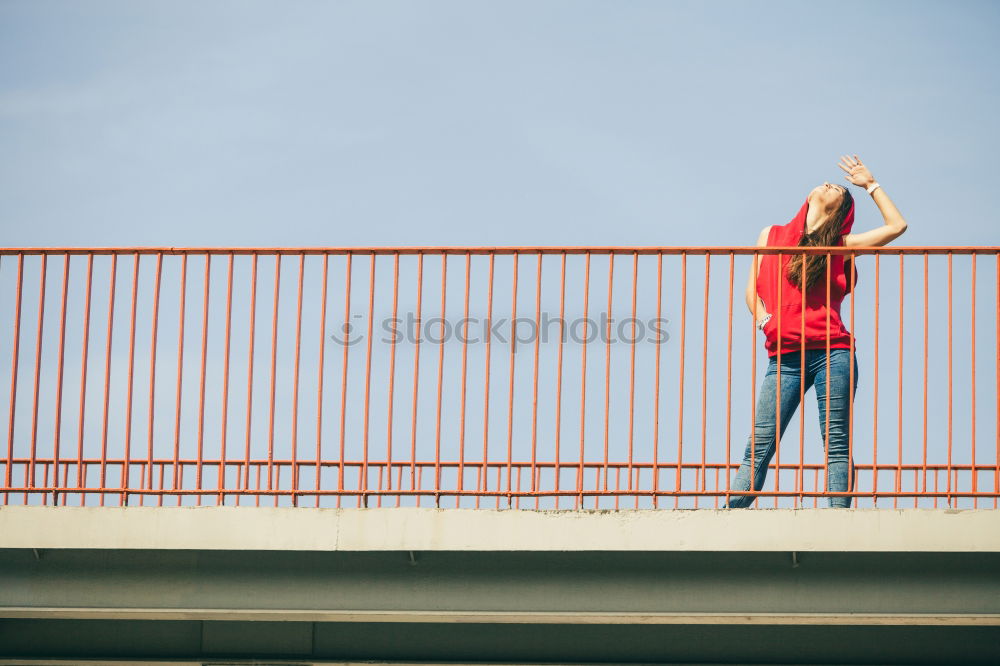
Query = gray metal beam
x=232 y=583
x=306 y=643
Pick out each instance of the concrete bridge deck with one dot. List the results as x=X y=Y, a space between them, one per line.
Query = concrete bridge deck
x=483 y=586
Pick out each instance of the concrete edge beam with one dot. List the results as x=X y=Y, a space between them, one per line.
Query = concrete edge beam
x=420 y=529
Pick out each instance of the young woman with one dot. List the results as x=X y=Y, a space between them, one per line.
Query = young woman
x=776 y=302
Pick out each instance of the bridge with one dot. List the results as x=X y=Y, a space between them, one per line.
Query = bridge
x=484 y=455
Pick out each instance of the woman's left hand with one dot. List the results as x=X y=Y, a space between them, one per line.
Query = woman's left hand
x=857 y=172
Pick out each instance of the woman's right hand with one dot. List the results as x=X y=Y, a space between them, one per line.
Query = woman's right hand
x=857 y=172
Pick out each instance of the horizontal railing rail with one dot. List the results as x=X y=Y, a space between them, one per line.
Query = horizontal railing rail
x=528 y=377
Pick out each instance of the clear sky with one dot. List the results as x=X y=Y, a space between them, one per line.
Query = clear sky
x=486 y=123
x=514 y=123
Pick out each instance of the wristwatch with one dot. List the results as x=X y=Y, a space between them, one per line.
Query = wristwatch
x=763 y=321
x=871 y=188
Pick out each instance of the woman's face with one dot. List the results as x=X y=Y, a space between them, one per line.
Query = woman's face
x=827 y=196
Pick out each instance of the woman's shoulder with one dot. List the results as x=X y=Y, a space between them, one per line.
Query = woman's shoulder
x=764 y=235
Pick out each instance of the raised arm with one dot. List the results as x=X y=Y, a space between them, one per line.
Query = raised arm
x=894 y=226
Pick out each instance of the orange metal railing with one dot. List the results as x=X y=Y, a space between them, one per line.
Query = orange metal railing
x=525 y=377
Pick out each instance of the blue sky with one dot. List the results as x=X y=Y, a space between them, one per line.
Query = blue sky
x=493 y=124
x=486 y=123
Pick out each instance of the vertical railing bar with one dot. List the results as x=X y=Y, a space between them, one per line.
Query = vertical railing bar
x=499 y=469
x=224 y=431
x=729 y=373
x=583 y=381
x=972 y=380
x=754 y=271
x=295 y=383
x=274 y=372
x=779 y=281
x=704 y=379
x=416 y=374
x=607 y=380
x=60 y=368
x=717 y=485
x=250 y=369
x=201 y=390
x=13 y=377
x=631 y=388
x=875 y=364
x=126 y=465
x=38 y=368
x=465 y=356
x=180 y=377
x=800 y=500
x=680 y=375
x=656 y=379
x=399 y=483
x=420 y=482
x=510 y=395
x=65 y=496
x=277 y=483
x=559 y=368
x=851 y=279
x=534 y=395
x=899 y=389
x=484 y=468
x=440 y=383
x=83 y=376
x=343 y=378
x=815 y=485
x=926 y=335
x=154 y=331
x=826 y=421
x=107 y=375
x=363 y=497
x=392 y=376
x=950 y=377
x=319 y=374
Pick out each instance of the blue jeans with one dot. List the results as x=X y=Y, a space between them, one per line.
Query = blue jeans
x=840 y=467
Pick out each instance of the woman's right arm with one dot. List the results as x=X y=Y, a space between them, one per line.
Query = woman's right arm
x=894 y=226
x=754 y=304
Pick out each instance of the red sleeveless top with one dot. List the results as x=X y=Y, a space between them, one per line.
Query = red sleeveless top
x=784 y=300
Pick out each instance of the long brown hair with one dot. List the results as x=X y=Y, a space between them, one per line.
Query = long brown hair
x=826 y=236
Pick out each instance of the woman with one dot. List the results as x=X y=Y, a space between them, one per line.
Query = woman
x=776 y=302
